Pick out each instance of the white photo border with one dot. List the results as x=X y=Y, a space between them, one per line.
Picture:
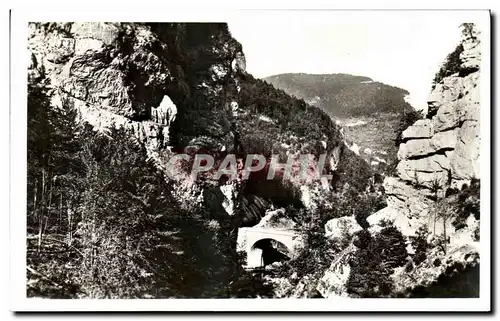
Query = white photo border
x=19 y=63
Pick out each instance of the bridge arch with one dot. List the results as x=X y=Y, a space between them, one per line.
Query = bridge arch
x=263 y=244
x=270 y=251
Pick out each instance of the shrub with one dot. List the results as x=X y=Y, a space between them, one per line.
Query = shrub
x=420 y=245
x=375 y=261
x=407 y=119
x=450 y=66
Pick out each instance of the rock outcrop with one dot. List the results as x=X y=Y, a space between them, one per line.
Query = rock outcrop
x=342 y=227
x=177 y=86
x=442 y=150
x=333 y=283
x=114 y=74
x=439 y=153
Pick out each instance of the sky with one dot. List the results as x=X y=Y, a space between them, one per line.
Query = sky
x=402 y=52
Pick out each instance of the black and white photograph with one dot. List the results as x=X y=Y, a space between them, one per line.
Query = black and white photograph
x=325 y=156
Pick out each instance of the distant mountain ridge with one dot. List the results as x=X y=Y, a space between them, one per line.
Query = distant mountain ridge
x=369 y=111
x=342 y=95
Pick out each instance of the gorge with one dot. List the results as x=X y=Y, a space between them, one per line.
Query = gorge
x=109 y=104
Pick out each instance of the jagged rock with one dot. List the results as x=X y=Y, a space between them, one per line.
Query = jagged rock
x=425 y=171
x=88 y=62
x=219 y=201
x=333 y=283
x=414 y=148
x=239 y=63
x=341 y=227
x=61 y=48
x=90 y=66
x=165 y=113
x=471 y=56
x=405 y=198
x=421 y=147
x=444 y=140
x=398 y=218
x=229 y=191
x=107 y=33
x=457 y=103
x=420 y=129
x=442 y=149
x=448 y=90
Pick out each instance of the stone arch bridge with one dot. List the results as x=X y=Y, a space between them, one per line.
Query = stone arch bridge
x=250 y=240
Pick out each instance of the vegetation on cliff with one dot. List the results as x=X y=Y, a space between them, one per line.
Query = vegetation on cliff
x=102 y=220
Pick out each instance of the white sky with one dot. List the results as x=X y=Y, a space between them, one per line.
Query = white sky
x=405 y=53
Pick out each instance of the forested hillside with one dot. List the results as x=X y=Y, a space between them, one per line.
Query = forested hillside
x=369 y=111
x=108 y=105
x=343 y=95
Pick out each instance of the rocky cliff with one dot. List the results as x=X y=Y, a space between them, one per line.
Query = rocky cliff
x=439 y=156
x=442 y=150
x=177 y=86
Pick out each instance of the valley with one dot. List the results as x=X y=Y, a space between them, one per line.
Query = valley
x=111 y=216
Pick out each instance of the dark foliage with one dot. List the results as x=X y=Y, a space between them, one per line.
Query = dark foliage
x=248 y=284
x=468 y=203
x=120 y=231
x=292 y=115
x=450 y=66
x=420 y=245
x=375 y=261
x=343 y=95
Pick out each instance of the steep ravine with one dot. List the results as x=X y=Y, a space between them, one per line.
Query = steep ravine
x=183 y=86
x=179 y=86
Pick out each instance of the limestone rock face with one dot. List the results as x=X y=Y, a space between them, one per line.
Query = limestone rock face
x=439 y=152
x=465 y=159
x=109 y=72
x=425 y=171
x=444 y=148
x=420 y=129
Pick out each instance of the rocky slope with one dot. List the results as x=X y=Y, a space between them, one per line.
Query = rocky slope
x=440 y=154
x=435 y=195
x=443 y=149
x=184 y=86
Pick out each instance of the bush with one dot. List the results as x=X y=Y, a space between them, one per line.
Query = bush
x=375 y=261
x=407 y=119
x=420 y=245
x=468 y=203
x=450 y=66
